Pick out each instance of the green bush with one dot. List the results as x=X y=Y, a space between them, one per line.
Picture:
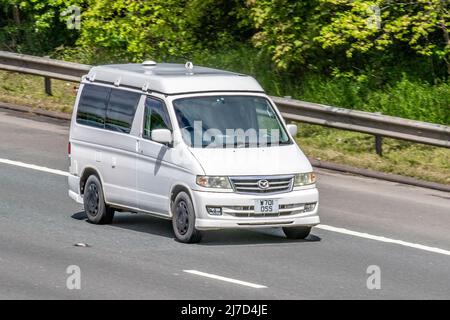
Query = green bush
x=321 y=51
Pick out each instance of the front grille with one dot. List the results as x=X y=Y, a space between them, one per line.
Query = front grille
x=275 y=184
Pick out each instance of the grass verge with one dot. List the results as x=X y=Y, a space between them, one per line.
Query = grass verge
x=29 y=91
x=356 y=149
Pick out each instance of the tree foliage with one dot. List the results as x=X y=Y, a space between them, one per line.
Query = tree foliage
x=363 y=39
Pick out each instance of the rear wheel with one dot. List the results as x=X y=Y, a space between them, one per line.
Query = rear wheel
x=96 y=209
x=183 y=221
x=296 y=232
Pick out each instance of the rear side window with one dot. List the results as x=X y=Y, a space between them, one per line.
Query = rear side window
x=92 y=106
x=121 y=109
x=155 y=117
x=107 y=108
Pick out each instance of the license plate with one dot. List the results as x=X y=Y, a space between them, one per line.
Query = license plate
x=266 y=206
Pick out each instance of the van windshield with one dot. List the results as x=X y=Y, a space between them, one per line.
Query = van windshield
x=229 y=122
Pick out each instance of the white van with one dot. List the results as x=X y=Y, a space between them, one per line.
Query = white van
x=205 y=148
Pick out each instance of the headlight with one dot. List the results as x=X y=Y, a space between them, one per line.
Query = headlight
x=213 y=182
x=303 y=179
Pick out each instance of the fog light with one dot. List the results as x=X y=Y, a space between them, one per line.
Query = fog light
x=214 y=211
x=310 y=206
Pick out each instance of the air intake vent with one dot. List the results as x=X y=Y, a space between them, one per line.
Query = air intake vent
x=149 y=63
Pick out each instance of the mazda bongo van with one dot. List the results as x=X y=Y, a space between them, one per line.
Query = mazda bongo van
x=205 y=148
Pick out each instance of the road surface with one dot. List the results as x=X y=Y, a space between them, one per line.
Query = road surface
x=402 y=230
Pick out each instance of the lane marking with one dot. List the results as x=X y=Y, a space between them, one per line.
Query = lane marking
x=216 y=277
x=383 y=239
x=33 y=167
x=321 y=226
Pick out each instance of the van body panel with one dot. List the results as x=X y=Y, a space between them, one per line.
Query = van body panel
x=159 y=168
x=170 y=79
x=274 y=160
x=113 y=157
x=155 y=176
x=227 y=200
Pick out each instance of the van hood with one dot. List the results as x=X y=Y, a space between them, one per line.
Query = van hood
x=288 y=159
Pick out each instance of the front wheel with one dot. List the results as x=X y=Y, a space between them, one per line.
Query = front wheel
x=95 y=207
x=183 y=220
x=296 y=232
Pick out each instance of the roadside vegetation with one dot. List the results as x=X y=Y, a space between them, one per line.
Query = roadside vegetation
x=382 y=56
x=28 y=90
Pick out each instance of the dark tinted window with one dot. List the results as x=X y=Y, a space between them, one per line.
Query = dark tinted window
x=155 y=117
x=92 y=106
x=121 y=109
x=229 y=121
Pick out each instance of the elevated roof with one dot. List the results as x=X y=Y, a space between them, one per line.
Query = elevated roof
x=169 y=78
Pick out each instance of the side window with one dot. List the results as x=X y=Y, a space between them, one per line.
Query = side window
x=155 y=116
x=92 y=106
x=121 y=110
x=268 y=120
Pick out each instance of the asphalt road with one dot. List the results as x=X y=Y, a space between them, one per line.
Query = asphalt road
x=137 y=256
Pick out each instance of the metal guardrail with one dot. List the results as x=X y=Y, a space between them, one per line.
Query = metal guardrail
x=359 y=121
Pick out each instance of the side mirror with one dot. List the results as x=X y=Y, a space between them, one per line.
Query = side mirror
x=163 y=136
x=292 y=128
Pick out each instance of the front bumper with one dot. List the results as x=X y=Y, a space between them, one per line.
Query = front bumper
x=244 y=217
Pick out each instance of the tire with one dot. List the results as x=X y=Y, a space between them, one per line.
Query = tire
x=296 y=232
x=183 y=221
x=97 y=211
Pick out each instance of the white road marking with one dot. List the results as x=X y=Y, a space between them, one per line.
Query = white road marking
x=33 y=167
x=383 y=239
x=321 y=226
x=216 y=277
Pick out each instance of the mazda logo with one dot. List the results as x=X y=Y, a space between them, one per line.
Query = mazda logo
x=263 y=184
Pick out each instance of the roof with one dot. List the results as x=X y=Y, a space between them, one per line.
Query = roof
x=169 y=78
